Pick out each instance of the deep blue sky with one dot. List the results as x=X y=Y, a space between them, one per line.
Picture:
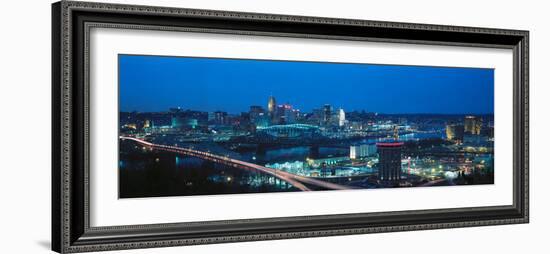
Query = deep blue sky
x=156 y=83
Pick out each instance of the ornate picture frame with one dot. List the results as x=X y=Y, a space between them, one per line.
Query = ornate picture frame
x=71 y=24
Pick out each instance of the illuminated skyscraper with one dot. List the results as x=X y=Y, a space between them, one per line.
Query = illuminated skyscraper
x=271 y=105
x=327 y=114
x=285 y=114
x=389 y=165
x=272 y=108
x=472 y=125
x=221 y=117
x=341 y=118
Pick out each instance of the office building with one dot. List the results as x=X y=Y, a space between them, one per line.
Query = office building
x=361 y=151
x=341 y=118
x=472 y=125
x=454 y=132
x=389 y=161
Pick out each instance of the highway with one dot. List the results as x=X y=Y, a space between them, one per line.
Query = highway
x=295 y=180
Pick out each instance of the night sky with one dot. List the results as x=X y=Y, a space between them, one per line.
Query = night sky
x=156 y=83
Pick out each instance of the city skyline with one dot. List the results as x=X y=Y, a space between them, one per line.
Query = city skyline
x=205 y=126
x=194 y=84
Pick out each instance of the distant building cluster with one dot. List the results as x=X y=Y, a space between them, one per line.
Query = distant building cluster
x=472 y=131
x=286 y=114
x=380 y=144
x=277 y=119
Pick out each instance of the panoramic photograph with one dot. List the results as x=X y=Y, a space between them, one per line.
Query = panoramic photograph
x=208 y=126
